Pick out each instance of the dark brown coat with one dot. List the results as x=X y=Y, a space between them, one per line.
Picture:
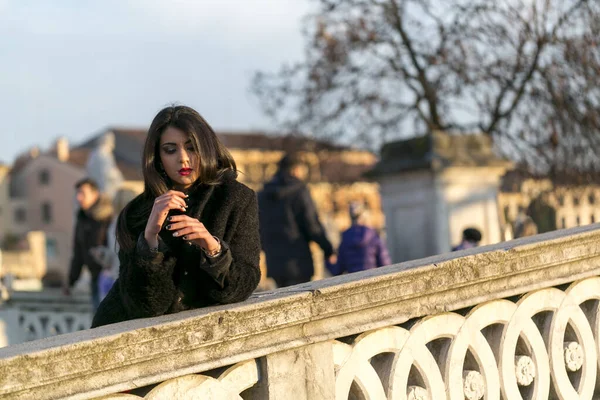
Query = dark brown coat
x=179 y=276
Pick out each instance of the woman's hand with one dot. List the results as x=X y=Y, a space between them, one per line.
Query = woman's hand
x=192 y=230
x=172 y=200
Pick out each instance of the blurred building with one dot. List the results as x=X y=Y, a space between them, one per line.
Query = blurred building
x=42 y=199
x=4 y=201
x=41 y=194
x=335 y=176
x=433 y=187
x=431 y=191
x=565 y=201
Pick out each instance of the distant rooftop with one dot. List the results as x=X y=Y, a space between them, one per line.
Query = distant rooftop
x=129 y=145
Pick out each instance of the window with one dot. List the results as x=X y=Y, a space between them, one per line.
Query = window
x=575 y=201
x=561 y=200
x=578 y=220
x=44 y=177
x=563 y=222
x=47 y=213
x=20 y=215
x=51 y=248
x=592 y=198
x=592 y=219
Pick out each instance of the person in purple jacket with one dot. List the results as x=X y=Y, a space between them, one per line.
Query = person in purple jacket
x=361 y=246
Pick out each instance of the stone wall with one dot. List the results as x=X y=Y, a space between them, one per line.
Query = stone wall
x=513 y=320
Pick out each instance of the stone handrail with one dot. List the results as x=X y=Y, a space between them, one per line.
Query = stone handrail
x=517 y=320
x=27 y=316
x=49 y=299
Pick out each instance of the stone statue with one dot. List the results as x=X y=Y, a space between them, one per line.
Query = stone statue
x=102 y=168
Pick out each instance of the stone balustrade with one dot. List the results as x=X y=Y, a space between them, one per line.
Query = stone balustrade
x=27 y=316
x=518 y=320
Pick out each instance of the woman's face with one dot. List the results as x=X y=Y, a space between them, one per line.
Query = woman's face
x=179 y=158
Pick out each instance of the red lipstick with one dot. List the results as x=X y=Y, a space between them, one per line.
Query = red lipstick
x=185 y=171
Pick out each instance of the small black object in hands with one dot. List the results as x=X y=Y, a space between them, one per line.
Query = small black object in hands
x=174 y=212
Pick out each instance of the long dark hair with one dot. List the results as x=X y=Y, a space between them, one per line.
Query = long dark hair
x=214 y=162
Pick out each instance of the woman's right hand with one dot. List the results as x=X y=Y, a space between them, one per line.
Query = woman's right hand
x=172 y=200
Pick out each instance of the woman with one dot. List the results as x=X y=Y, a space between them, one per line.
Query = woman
x=191 y=238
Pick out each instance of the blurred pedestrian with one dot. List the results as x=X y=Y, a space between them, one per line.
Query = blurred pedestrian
x=361 y=247
x=93 y=218
x=288 y=223
x=470 y=238
x=525 y=227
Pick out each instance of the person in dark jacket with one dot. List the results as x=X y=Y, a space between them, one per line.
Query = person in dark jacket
x=361 y=247
x=93 y=219
x=288 y=223
x=191 y=238
x=470 y=238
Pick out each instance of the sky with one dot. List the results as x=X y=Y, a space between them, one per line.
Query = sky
x=74 y=67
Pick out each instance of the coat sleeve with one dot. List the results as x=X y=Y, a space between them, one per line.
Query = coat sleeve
x=146 y=286
x=309 y=223
x=237 y=270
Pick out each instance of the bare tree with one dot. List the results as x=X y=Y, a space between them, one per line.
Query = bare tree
x=526 y=72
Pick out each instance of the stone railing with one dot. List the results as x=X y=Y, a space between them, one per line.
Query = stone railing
x=27 y=316
x=512 y=321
